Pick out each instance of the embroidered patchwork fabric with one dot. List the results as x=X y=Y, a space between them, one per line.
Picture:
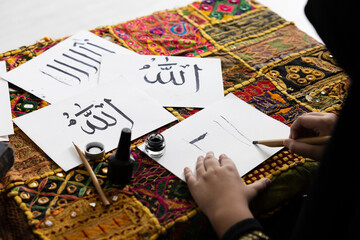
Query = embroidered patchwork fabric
x=266 y=61
x=268 y=47
x=310 y=76
x=251 y=23
x=87 y=219
x=163 y=33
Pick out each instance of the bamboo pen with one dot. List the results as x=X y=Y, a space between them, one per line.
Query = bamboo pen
x=280 y=142
x=92 y=176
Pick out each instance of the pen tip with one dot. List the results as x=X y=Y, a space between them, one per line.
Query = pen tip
x=255 y=142
x=75 y=145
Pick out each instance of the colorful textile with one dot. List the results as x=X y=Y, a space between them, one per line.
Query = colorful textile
x=223 y=9
x=246 y=25
x=29 y=160
x=310 y=77
x=266 y=61
x=268 y=47
x=163 y=33
x=264 y=95
x=87 y=219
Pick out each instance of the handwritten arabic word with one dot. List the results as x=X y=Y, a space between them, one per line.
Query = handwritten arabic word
x=77 y=63
x=102 y=122
x=168 y=69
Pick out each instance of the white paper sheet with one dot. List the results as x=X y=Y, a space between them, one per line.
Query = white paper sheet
x=4 y=138
x=229 y=127
x=70 y=67
x=6 y=125
x=172 y=81
x=97 y=115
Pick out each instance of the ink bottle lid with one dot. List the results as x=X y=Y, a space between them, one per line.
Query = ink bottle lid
x=155 y=145
x=94 y=150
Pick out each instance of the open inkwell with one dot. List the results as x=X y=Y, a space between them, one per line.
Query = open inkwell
x=95 y=150
x=155 y=145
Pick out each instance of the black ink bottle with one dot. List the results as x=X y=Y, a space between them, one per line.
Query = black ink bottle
x=155 y=145
x=121 y=162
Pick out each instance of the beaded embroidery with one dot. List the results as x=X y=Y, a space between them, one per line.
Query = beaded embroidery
x=86 y=218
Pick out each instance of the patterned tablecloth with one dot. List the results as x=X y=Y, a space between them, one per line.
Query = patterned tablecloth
x=266 y=61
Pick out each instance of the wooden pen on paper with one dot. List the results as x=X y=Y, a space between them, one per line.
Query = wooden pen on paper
x=92 y=176
x=280 y=142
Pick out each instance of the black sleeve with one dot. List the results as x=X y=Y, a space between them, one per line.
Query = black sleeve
x=242 y=228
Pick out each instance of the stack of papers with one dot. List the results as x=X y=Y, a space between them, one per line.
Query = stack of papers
x=96 y=88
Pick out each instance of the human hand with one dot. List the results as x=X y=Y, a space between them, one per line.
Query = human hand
x=220 y=192
x=310 y=125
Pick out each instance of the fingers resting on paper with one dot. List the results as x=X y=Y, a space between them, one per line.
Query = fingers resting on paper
x=220 y=192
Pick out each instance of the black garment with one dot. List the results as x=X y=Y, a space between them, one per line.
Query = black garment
x=332 y=208
x=241 y=228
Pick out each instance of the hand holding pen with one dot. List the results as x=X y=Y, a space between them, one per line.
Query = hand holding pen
x=308 y=135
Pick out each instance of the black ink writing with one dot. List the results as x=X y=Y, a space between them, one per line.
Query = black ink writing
x=98 y=121
x=197 y=69
x=84 y=110
x=75 y=64
x=105 y=123
x=177 y=76
x=82 y=62
x=227 y=127
x=195 y=140
x=64 y=72
x=201 y=137
x=237 y=130
x=108 y=101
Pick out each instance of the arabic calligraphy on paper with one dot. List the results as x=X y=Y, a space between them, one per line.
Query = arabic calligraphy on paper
x=98 y=117
x=172 y=73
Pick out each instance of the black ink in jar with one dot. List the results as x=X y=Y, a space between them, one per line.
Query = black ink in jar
x=155 y=145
